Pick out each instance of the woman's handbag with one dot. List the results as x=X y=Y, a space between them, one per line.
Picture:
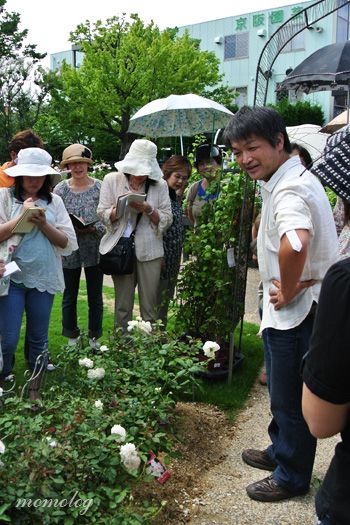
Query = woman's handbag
x=121 y=259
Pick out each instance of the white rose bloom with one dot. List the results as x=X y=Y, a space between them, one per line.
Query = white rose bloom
x=145 y=326
x=132 y=325
x=98 y=404
x=209 y=349
x=96 y=373
x=139 y=324
x=119 y=432
x=1 y=391
x=2 y=447
x=51 y=442
x=132 y=462
x=104 y=348
x=129 y=456
x=157 y=389
x=88 y=363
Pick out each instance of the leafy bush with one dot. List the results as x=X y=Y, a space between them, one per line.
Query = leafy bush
x=206 y=282
x=302 y=112
x=332 y=197
x=71 y=449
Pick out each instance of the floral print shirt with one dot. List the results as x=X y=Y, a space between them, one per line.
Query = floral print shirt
x=83 y=204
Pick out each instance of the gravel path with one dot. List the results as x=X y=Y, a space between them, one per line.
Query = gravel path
x=225 y=501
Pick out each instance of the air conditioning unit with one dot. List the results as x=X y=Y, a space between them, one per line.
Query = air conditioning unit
x=261 y=32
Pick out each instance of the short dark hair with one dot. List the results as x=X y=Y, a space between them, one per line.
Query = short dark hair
x=25 y=139
x=44 y=192
x=176 y=163
x=207 y=153
x=263 y=122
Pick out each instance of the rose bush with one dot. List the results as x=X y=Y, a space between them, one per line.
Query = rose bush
x=206 y=282
x=92 y=436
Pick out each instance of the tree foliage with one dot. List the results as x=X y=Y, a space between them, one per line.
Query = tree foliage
x=126 y=65
x=19 y=105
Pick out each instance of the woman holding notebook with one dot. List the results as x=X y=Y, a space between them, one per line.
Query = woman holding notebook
x=80 y=194
x=49 y=235
x=146 y=218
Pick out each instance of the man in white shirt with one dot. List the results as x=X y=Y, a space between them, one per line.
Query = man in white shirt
x=297 y=243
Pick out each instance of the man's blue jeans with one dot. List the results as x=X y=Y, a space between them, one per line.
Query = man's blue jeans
x=37 y=306
x=94 y=282
x=293 y=447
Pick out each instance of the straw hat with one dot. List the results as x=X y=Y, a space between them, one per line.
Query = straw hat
x=141 y=160
x=76 y=153
x=32 y=162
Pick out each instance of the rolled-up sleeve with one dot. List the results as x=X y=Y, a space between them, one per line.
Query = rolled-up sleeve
x=64 y=224
x=291 y=212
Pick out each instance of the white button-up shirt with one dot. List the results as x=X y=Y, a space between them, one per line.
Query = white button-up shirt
x=292 y=201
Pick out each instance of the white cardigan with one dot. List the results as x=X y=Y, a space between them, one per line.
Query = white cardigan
x=148 y=236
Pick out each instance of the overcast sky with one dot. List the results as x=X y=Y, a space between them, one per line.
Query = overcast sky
x=50 y=21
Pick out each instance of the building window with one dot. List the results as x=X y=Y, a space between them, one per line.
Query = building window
x=236 y=46
x=297 y=43
x=342 y=33
x=340 y=102
x=242 y=97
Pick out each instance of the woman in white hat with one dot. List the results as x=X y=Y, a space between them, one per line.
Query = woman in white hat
x=139 y=172
x=80 y=194
x=37 y=254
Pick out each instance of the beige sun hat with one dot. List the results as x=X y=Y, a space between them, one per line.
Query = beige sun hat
x=32 y=162
x=76 y=153
x=141 y=160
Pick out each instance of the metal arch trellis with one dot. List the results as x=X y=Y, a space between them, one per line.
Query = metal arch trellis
x=302 y=20
x=286 y=32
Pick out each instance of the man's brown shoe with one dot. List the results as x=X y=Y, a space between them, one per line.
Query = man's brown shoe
x=269 y=490
x=258 y=459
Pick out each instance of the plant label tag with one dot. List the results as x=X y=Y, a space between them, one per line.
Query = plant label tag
x=231 y=258
x=157 y=469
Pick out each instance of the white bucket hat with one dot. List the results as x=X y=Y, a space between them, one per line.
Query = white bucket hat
x=32 y=162
x=141 y=160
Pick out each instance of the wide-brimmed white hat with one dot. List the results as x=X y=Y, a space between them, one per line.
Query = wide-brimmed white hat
x=32 y=162
x=141 y=160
